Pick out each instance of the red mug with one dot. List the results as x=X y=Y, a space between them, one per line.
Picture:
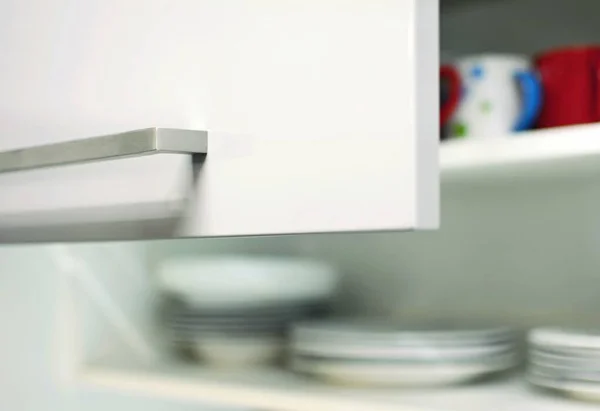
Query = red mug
x=448 y=107
x=570 y=79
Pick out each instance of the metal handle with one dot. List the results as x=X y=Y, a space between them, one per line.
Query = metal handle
x=128 y=144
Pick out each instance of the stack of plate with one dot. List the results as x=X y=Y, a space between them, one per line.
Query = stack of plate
x=236 y=310
x=368 y=352
x=565 y=360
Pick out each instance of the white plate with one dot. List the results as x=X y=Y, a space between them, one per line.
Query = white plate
x=579 y=390
x=565 y=338
x=364 y=373
x=562 y=373
x=243 y=281
x=563 y=358
x=381 y=351
x=390 y=332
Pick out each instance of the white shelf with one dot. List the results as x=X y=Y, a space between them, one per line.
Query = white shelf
x=531 y=147
x=278 y=390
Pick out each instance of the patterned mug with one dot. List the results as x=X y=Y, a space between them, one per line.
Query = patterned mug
x=501 y=95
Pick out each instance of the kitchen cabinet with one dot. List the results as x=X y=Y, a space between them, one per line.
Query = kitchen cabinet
x=313 y=116
x=518 y=245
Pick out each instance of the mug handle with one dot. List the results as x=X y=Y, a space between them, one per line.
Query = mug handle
x=532 y=99
x=448 y=109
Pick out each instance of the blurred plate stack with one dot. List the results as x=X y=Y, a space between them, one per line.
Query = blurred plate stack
x=565 y=360
x=235 y=311
x=385 y=353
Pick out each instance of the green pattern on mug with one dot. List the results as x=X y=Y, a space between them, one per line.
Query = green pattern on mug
x=459 y=130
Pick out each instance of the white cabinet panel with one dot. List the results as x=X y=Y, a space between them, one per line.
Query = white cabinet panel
x=322 y=116
x=325 y=67
x=310 y=184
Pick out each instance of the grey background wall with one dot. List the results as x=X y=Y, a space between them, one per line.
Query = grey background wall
x=517 y=26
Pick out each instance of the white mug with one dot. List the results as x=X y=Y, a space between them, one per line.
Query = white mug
x=501 y=95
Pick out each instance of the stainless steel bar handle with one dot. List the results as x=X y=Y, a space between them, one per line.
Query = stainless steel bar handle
x=108 y=147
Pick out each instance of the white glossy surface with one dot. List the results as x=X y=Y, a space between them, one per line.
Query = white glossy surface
x=142 y=187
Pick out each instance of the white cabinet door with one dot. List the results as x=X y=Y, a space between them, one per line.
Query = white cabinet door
x=321 y=115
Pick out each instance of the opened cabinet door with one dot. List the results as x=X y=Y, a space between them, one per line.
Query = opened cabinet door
x=253 y=117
